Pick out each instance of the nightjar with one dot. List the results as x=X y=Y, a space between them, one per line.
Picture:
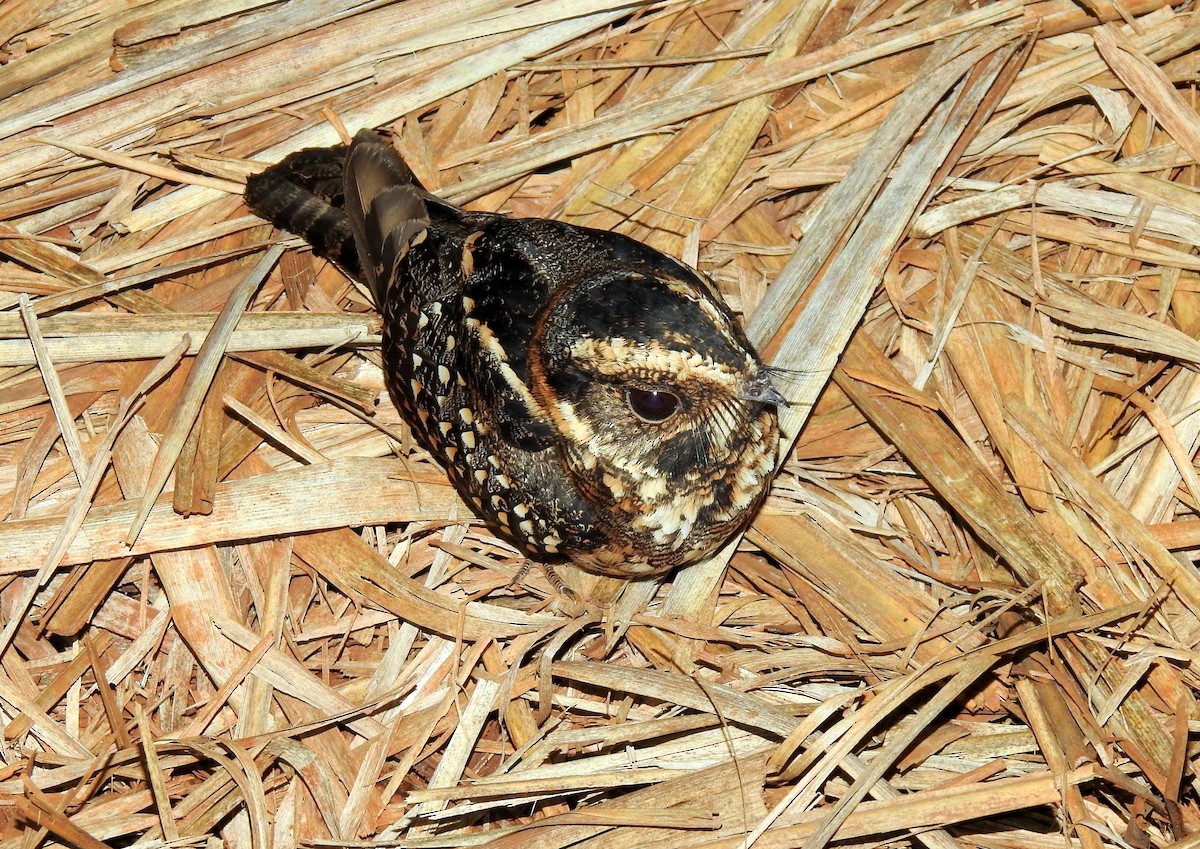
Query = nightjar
x=591 y=397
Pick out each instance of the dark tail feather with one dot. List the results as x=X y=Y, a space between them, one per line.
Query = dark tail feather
x=303 y=194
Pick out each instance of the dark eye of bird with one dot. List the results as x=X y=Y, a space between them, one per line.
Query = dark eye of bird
x=652 y=405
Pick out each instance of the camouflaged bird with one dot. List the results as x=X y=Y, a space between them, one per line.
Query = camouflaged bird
x=591 y=397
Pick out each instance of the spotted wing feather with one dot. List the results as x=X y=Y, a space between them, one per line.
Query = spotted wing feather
x=460 y=300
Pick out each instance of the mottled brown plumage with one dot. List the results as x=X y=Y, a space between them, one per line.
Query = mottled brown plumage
x=591 y=397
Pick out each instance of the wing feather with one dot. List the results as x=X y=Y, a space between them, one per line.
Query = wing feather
x=386 y=208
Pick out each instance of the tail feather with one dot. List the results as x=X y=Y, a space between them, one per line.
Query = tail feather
x=359 y=206
x=304 y=195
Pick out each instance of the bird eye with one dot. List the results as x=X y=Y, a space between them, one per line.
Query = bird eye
x=652 y=405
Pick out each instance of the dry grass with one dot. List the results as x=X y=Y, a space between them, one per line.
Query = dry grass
x=237 y=606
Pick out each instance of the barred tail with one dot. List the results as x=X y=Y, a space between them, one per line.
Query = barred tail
x=304 y=194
